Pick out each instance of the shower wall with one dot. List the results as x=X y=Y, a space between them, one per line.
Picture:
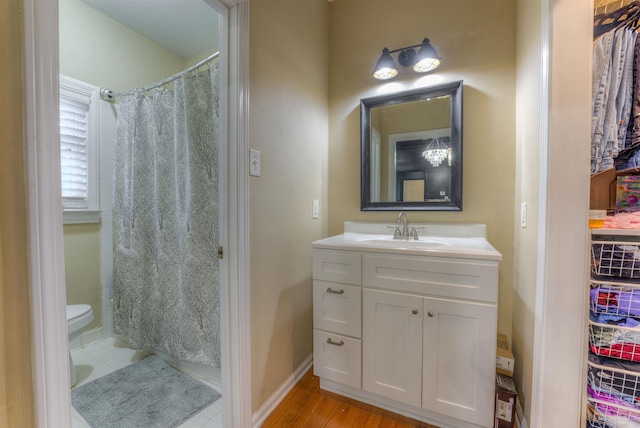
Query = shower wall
x=107 y=142
x=100 y=51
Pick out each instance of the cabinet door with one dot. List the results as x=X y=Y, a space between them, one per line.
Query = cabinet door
x=459 y=359
x=392 y=345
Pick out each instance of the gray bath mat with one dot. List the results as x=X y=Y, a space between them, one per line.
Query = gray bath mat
x=147 y=394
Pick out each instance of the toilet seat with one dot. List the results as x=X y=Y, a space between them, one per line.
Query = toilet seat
x=77 y=311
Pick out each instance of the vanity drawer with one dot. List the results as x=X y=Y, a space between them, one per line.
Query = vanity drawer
x=337 y=308
x=337 y=358
x=457 y=278
x=336 y=266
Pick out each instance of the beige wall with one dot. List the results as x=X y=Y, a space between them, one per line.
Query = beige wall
x=528 y=78
x=82 y=267
x=16 y=388
x=476 y=40
x=98 y=50
x=288 y=125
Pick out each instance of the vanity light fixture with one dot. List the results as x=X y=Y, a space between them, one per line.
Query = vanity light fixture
x=426 y=59
x=436 y=152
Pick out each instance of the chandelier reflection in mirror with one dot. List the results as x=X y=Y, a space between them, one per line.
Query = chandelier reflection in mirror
x=437 y=151
x=426 y=59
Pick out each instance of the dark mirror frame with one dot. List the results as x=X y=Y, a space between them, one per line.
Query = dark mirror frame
x=454 y=90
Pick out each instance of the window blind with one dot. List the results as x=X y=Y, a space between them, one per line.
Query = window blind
x=73 y=152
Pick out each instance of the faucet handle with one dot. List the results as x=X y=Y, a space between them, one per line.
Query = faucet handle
x=396 y=232
x=414 y=231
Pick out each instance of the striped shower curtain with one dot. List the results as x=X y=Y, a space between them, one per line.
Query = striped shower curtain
x=165 y=219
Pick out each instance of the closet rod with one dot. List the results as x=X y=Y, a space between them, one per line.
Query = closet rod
x=624 y=16
x=108 y=95
x=604 y=5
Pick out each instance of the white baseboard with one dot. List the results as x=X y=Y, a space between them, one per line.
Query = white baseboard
x=86 y=339
x=272 y=402
x=397 y=407
x=521 y=422
x=92 y=336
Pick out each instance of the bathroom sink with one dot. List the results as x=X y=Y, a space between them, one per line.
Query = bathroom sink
x=435 y=240
x=388 y=241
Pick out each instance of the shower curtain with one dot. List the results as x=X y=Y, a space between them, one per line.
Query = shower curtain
x=165 y=219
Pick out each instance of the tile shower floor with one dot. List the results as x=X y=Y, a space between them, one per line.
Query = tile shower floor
x=102 y=358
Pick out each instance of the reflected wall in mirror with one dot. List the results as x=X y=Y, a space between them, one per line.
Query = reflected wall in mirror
x=411 y=150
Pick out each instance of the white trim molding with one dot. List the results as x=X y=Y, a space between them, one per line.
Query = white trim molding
x=539 y=322
x=236 y=332
x=80 y=216
x=521 y=422
x=48 y=299
x=242 y=317
x=392 y=139
x=279 y=394
x=561 y=307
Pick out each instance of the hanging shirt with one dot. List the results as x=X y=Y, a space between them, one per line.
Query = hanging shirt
x=601 y=81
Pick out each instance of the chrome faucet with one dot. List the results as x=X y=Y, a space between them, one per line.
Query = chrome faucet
x=404 y=234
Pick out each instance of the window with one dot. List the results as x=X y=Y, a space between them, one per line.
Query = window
x=79 y=157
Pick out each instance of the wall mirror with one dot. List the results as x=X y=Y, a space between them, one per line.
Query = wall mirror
x=411 y=150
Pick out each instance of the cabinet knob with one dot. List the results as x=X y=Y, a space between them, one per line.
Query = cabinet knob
x=414 y=312
x=332 y=291
x=331 y=342
x=430 y=314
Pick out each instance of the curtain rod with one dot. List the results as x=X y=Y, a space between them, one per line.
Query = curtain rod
x=108 y=95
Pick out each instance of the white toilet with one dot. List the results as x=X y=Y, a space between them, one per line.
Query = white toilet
x=79 y=317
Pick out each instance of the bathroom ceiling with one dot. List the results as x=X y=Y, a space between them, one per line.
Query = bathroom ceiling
x=185 y=27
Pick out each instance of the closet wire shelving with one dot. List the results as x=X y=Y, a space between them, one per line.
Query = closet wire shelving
x=613 y=399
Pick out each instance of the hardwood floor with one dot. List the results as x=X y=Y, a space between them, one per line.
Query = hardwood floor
x=310 y=407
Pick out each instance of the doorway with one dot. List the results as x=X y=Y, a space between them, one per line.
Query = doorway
x=153 y=72
x=47 y=288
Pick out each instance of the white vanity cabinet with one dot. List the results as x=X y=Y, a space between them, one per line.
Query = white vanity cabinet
x=392 y=345
x=459 y=359
x=337 y=320
x=416 y=335
x=428 y=352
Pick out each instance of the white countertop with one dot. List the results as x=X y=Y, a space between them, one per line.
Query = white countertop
x=447 y=243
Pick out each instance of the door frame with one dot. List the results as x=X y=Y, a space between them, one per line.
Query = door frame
x=561 y=312
x=392 y=140
x=50 y=348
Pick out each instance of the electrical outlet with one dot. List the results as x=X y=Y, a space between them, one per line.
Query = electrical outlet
x=254 y=163
x=314 y=209
x=523 y=215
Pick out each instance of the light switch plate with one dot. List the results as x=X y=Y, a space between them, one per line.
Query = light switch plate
x=523 y=215
x=254 y=163
x=314 y=209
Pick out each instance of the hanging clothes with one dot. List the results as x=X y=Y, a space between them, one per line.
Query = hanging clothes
x=612 y=96
x=634 y=124
x=624 y=100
